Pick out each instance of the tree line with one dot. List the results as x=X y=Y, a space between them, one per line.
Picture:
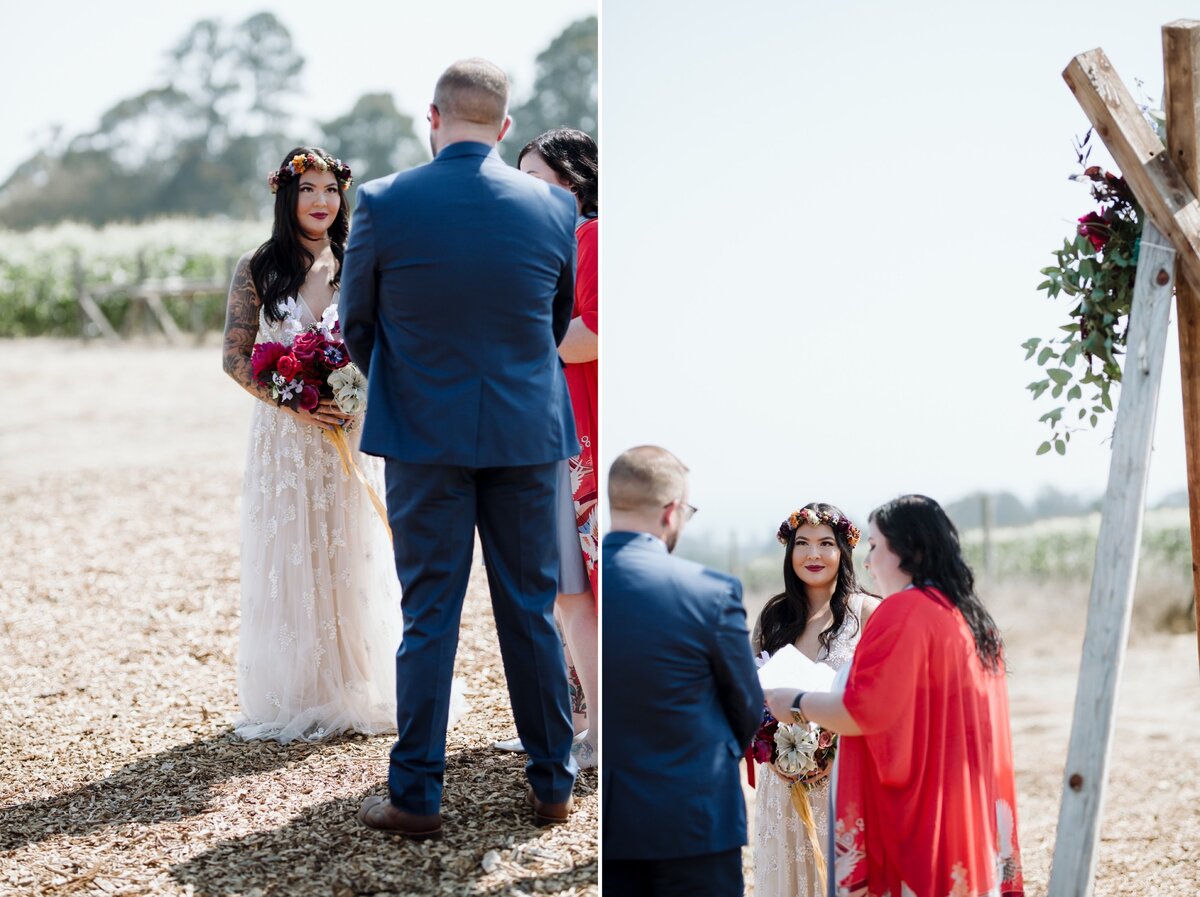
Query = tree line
x=190 y=145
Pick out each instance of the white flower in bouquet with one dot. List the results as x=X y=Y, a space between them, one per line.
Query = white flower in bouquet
x=349 y=389
x=329 y=319
x=795 y=746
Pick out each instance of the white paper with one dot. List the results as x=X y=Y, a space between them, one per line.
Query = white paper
x=788 y=668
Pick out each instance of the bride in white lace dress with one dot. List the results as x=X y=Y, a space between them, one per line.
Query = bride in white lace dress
x=320 y=607
x=822 y=612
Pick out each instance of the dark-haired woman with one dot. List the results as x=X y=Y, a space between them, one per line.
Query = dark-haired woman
x=925 y=799
x=320 y=607
x=569 y=159
x=821 y=611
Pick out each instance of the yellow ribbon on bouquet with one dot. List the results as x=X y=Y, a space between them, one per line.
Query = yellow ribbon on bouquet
x=338 y=437
x=799 y=795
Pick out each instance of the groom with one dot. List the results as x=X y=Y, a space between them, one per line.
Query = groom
x=681 y=691
x=457 y=286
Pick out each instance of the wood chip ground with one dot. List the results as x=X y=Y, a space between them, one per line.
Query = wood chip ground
x=119 y=774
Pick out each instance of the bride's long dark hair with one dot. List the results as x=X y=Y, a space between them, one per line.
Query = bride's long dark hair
x=926 y=541
x=280 y=265
x=784 y=617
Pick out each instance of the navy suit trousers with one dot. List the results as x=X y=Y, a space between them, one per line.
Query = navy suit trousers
x=711 y=874
x=433 y=511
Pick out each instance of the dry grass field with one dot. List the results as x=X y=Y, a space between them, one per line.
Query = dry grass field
x=120 y=486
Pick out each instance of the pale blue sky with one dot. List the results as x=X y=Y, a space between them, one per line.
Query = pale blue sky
x=72 y=61
x=823 y=225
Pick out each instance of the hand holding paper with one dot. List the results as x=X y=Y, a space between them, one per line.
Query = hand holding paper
x=789 y=668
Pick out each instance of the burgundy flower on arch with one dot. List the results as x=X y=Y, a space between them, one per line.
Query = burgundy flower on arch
x=1096 y=229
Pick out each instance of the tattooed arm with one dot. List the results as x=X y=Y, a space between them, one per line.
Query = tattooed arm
x=241 y=329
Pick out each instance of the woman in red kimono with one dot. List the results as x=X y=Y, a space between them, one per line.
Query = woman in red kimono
x=925 y=796
x=569 y=158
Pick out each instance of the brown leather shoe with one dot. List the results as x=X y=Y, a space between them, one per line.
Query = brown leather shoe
x=545 y=813
x=378 y=813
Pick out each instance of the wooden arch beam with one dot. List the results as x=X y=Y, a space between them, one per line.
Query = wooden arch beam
x=1140 y=155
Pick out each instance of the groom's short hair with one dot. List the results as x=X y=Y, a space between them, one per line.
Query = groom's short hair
x=473 y=90
x=646 y=477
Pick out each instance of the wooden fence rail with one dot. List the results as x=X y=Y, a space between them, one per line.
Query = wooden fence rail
x=147 y=297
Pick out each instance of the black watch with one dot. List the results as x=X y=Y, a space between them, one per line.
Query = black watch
x=797 y=714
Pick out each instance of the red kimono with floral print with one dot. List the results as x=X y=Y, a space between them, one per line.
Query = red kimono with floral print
x=582 y=383
x=926 y=800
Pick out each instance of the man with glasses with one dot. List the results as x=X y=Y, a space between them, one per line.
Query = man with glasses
x=681 y=694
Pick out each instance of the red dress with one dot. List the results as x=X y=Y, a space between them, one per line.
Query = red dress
x=926 y=801
x=582 y=384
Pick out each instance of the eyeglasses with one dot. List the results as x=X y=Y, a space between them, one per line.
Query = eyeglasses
x=688 y=511
x=429 y=115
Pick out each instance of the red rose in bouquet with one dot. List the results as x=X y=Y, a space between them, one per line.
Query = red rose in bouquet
x=288 y=366
x=310 y=397
x=308 y=349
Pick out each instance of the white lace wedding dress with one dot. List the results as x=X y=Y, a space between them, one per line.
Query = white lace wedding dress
x=320 y=604
x=783 y=859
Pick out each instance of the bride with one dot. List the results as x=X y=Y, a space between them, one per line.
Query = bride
x=320 y=606
x=821 y=611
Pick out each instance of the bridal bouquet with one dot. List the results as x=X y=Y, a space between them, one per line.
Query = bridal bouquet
x=802 y=753
x=315 y=366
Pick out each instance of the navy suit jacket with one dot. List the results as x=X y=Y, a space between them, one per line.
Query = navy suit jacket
x=681 y=703
x=457 y=286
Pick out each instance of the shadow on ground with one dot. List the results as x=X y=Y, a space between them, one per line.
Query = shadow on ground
x=325 y=850
x=169 y=786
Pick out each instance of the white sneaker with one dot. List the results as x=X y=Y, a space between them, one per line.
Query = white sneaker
x=584 y=753
x=514 y=745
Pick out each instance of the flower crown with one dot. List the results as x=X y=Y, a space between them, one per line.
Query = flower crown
x=299 y=164
x=839 y=524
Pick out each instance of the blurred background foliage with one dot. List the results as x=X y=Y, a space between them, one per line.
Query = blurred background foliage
x=190 y=146
x=170 y=186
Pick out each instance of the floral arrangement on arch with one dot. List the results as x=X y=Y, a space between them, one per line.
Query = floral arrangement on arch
x=1096 y=268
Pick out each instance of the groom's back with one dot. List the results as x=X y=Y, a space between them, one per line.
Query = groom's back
x=681 y=700
x=475 y=263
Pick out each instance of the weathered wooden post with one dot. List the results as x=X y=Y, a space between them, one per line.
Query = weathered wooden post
x=1181 y=80
x=88 y=309
x=81 y=315
x=1114 y=574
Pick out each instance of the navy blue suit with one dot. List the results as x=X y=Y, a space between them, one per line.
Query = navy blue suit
x=457 y=286
x=681 y=703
